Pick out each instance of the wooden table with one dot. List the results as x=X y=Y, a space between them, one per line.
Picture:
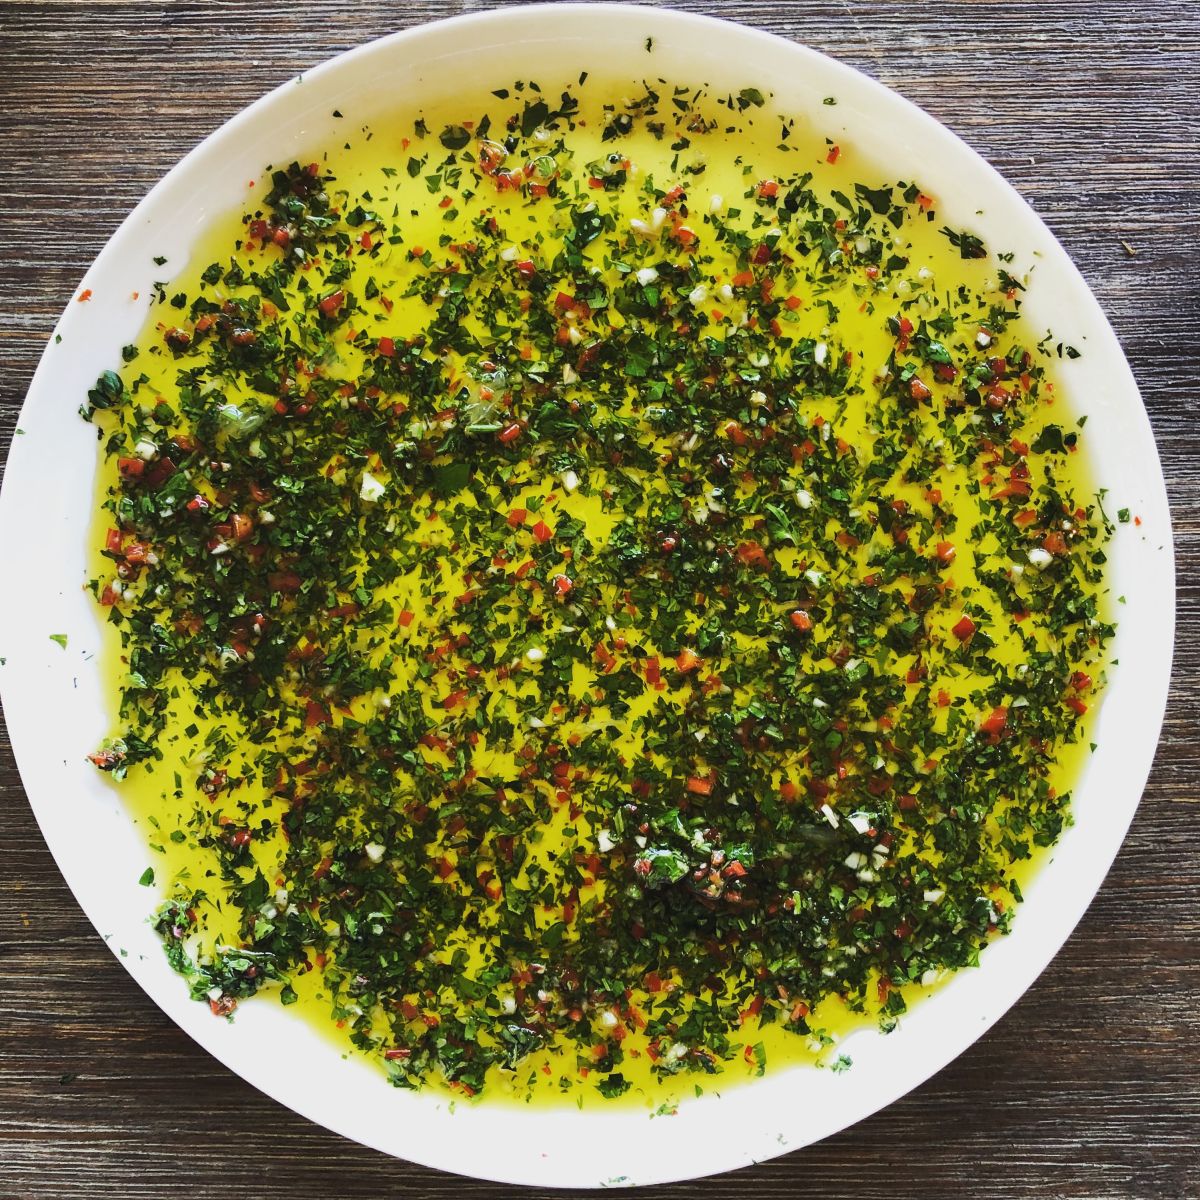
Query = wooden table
x=1090 y=1087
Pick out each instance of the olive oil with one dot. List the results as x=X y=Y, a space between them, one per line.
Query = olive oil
x=403 y=205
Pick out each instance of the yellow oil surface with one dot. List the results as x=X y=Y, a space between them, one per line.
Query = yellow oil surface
x=162 y=796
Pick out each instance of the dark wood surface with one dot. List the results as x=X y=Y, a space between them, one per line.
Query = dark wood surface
x=1090 y=1087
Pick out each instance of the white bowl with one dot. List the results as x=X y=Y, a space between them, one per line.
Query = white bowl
x=57 y=711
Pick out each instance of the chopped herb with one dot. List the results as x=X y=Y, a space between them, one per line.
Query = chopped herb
x=616 y=602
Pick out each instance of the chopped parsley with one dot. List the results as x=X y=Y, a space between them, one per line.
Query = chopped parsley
x=610 y=618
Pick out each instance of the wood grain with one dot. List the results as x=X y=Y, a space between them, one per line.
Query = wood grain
x=1090 y=1087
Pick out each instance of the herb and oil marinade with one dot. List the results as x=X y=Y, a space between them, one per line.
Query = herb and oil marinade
x=603 y=593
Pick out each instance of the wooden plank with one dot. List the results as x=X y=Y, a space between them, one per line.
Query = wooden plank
x=1090 y=1087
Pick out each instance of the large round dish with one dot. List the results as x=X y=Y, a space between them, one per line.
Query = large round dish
x=56 y=709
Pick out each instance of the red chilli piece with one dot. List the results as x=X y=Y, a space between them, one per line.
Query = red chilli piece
x=329 y=305
x=995 y=722
x=753 y=555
